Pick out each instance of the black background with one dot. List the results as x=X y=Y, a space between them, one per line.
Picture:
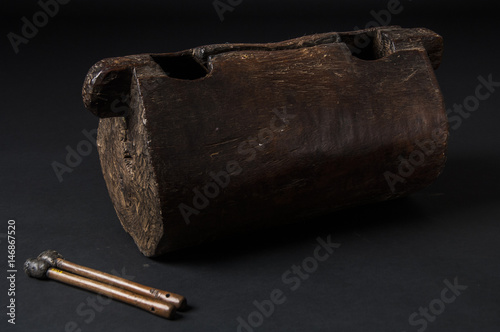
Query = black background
x=393 y=257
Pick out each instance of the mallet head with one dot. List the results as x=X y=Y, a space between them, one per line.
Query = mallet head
x=50 y=256
x=36 y=268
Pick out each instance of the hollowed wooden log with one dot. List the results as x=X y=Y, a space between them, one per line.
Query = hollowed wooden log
x=224 y=139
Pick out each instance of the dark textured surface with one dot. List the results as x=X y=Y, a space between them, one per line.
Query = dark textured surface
x=393 y=256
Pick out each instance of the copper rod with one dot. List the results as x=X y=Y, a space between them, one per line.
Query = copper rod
x=178 y=301
x=56 y=260
x=38 y=268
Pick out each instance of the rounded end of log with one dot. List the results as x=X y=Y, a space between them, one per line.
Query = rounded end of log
x=36 y=268
x=106 y=83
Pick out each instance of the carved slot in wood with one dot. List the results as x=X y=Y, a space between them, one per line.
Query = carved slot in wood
x=183 y=66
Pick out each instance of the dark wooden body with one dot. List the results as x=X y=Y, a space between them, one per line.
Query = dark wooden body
x=304 y=127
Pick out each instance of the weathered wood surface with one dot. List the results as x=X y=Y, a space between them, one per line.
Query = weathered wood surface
x=301 y=127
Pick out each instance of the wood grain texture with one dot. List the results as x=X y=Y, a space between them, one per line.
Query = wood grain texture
x=301 y=127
